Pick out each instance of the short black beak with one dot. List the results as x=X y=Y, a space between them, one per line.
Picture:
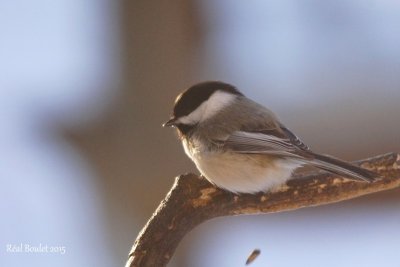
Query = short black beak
x=170 y=122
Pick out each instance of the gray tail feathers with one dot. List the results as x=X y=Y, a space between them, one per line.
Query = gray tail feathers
x=342 y=168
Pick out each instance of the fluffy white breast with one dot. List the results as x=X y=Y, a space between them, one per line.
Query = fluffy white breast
x=241 y=173
x=208 y=108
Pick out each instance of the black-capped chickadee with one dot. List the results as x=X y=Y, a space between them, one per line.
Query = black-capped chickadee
x=241 y=146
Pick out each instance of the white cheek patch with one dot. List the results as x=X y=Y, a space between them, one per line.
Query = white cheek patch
x=195 y=116
x=209 y=108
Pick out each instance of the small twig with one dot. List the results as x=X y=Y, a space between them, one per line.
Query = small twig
x=193 y=200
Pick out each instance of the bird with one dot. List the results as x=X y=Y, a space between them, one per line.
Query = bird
x=241 y=146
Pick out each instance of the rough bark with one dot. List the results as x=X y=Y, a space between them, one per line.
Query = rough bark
x=193 y=200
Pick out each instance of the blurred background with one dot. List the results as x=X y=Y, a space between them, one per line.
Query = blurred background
x=85 y=86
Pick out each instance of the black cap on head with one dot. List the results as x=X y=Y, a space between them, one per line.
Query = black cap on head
x=193 y=97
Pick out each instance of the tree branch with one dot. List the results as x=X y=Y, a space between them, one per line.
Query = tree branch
x=193 y=200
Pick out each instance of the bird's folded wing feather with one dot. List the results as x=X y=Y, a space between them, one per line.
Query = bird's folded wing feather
x=265 y=143
x=288 y=145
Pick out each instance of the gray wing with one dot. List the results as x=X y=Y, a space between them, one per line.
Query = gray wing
x=265 y=142
x=284 y=143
